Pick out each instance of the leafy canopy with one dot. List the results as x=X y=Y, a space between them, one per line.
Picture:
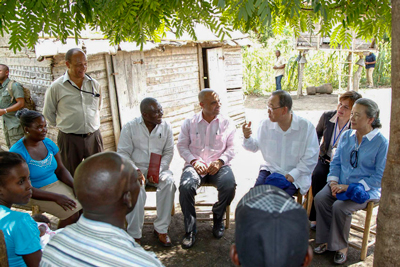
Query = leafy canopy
x=141 y=20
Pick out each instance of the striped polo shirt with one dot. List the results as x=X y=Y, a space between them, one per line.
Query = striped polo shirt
x=94 y=243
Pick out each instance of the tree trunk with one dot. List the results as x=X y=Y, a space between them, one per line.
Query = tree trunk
x=350 y=74
x=387 y=249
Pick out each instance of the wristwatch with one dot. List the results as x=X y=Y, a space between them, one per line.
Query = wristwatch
x=220 y=160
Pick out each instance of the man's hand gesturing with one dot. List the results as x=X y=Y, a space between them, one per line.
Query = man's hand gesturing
x=246 y=127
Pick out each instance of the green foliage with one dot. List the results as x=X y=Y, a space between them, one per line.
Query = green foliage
x=142 y=20
x=119 y=20
x=321 y=67
x=338 y=19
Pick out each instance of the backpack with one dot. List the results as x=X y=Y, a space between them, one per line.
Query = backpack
x=29 y=104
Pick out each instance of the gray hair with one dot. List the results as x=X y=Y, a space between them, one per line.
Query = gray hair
x=285 y=100
x=372 y=111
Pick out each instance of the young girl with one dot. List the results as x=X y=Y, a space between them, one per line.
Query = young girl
x=20 y=231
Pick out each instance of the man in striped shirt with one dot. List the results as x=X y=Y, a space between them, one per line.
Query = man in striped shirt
x=106 y=185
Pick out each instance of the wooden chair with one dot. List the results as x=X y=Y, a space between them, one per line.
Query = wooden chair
x=307 y=202
x=35 y=208
x=366 y=230
x=209 y=214
x=3 y=251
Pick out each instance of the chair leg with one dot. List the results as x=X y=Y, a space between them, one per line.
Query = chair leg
x=299 y=198
x=309 y=200
x=35 y=210
x=367 y=228
x=227 y=216
x=173 y=210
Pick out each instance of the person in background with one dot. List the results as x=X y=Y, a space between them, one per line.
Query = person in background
x=9 y=105
x=20 y=231
x=279 y=68
x=370 y=62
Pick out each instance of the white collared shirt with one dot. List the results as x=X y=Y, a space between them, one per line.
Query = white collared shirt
x=71 y=110
x=137 y=144
x=293 y=152
x=280 y=61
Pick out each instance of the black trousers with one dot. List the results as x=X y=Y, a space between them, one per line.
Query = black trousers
x=318 y=181
x=223 y=180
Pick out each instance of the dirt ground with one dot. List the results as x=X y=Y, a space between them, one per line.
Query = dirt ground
x=209 y=251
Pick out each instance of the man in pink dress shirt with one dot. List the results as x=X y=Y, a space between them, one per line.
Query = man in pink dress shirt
x=206 y=143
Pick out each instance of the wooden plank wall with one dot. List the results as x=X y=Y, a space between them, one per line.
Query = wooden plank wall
x=35 y=75
x=234 y=84
x=97 y=70
x=172 y=77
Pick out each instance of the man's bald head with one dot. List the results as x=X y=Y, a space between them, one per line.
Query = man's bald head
x=104 y=182
x=203 y=93
x=145 y=105
x=4 y=67
x=71 y=52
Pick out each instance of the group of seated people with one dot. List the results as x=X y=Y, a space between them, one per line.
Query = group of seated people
x=107 y=189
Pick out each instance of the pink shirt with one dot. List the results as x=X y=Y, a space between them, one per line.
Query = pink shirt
x=205 y=141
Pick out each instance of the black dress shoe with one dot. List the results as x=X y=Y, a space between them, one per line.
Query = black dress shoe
x=188 y=240
x=321 y=248
x=218 y=229
x=340 y=257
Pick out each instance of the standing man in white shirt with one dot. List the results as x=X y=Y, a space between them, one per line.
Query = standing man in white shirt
x=206 y=143
x=288 y=143
x=279 y=68
x=72 y=103
x=139 y=138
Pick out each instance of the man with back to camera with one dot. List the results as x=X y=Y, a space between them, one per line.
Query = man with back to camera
x=140 y=137
x=206 y=143
x=107 y=186
x=9 y=106
x=288 y=143
x=72 y=104
x=370 y=61
x=271 y=230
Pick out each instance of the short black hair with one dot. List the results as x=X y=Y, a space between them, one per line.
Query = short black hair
x=72 y=51
x=146 y=103
x=8 y=160
x=27 y=116
x=285 y=100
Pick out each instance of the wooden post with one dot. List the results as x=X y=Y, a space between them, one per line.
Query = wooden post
x=350 y=76
x=356 y=79
x=301 y=72
x=113 y=98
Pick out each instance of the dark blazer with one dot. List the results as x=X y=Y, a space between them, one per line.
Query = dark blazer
x=325 y=130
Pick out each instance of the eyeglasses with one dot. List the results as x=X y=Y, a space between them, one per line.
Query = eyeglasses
x=354 y=158
x=272 y=109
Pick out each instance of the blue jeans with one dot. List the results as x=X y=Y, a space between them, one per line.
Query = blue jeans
x=278 y=80
x=262 y=176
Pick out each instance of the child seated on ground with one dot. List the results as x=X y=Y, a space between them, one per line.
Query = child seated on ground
x=44 y=227
x=20 y=231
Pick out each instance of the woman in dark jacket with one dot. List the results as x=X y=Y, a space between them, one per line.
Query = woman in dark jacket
x=330 y=126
